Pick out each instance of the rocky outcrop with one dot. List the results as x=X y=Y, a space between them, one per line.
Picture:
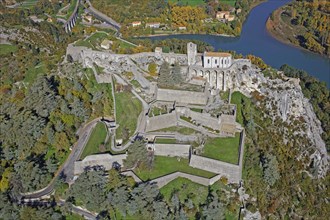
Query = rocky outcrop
x=284 y=98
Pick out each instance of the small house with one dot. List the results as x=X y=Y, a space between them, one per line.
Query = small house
x=153 y=25
x=136 y=23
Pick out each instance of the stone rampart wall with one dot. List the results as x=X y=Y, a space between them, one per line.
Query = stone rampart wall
x=162 y=181
x=161 y=121
x=231 y=171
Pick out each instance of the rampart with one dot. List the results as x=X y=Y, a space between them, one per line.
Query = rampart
x=162 y=181
x=161 y=121
x=231 y=171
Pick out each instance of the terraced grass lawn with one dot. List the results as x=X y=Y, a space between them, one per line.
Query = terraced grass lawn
x=96 y=138
x=7 y=49
x=167 y=165
x=165 y=141
x=128 y=109
x=223 y=149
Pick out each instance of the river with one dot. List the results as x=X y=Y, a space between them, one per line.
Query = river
x=256 y=40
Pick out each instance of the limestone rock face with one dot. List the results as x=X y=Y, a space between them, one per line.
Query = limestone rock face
x=284 y=99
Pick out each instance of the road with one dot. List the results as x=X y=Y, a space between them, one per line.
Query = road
x=67 y=168
x=102 y=16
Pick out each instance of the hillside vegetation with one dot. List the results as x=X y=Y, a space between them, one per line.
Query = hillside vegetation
x=197 y=16
x=303 y=23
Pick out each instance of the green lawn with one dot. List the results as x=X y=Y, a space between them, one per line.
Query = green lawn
x=224 y=149
x=157 y=111
x=128 y=109
x=189 y=2
x=96 y=138
x=7 y=49
x=181 y=130
x=165 y=141
x=166 y=165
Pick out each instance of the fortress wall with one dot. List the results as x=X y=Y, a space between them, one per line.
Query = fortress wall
x=162 y=181
x=201 y=118
x=231 y=171
x=172 y=150
x=186 y=97
x=161 y=121
x=105 y=160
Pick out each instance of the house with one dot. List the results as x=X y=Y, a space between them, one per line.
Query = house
x=182 y=28
x=49 y=19
x=136 y=23
x=238 y=11
x=105 y=44
x=153 y=25
x=222 y=14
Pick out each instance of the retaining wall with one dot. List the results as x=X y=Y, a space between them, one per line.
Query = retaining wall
x=231 y=171
x=161 y=121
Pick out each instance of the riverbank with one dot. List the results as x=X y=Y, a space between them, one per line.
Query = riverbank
x=178 y=34
x=286 y=33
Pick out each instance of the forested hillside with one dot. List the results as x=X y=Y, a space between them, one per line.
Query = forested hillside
x=195 y=16
x=304 y=23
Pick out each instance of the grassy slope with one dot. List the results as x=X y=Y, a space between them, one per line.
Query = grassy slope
x=97 y=137
x=128 y=108
x=7 y=48
x=166 y=165
x=224 y=149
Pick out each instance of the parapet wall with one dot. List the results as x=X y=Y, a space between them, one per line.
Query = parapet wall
x=162 y=181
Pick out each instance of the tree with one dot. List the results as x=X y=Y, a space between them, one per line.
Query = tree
x=152 y=68
x=270 y=168
x=137 y=154
x=213 y=208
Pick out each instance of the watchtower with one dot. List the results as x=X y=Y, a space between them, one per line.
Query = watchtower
x=191 y=52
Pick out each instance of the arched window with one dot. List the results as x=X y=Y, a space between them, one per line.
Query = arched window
x=208 y=61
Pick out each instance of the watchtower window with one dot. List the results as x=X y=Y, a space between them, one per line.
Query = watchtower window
x=216 y=61
x=208 y=61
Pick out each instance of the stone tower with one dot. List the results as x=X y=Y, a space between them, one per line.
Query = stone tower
x=191 y=52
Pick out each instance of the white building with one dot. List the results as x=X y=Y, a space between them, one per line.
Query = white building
x=217 y=60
